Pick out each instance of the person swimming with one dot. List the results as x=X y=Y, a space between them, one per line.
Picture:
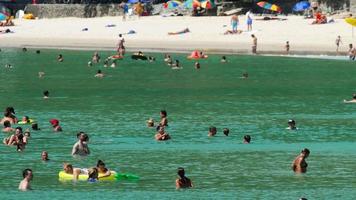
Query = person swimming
x=81 y=147
x=176 y=65
x=35 y=127
x=96 y=57
x=46 y=94
x=9 y=115
x=69 y=169
x=183 y=181
x=7 y=127
x=197 y=65
x=292 y=125
x=100 y=166
x=99 y=74
x=14 y=139
x=299 y=164
x=353 y=100
x=44 y=156
x=25 y=120
x=60 y=58
x=226 y=131
x=41 y=74
x=27 y=178
x=93 y=174
x=212 y=131
x=247 y=139
x=55 y=125
x=223 y=59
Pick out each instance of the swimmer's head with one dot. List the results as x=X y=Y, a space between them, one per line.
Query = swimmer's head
x=27 y=173
x=99 y=71
x=25 y=119
x=68 y=168
x=10 y=110
x=305 y=152
x=291 y=122
x=44 y=155
x=247 y=139
x=93 y=173
x=223 y=57
x=181 y=172
x=18 y=130
x=212 y=131
x=354 y=96
x=160 y=129
x=27 y=133
x=24 y=49
x=38 y=51
x=226 y=131
x=46 y=93
x=100 y=164
x=163 y=113
x=7 y=124
x=54 y=122
x=35 y=127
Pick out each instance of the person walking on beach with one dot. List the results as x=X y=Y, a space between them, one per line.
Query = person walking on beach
x=287 y=47
x=254 y=44
x=337 y=42
x=299 y=164
x=27 y=177
x=234 y=23
x=249 y=17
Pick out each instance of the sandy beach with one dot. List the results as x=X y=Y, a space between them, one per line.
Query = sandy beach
x=206 y=34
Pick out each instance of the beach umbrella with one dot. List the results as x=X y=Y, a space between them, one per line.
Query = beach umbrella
x=303 y=5
x=208 y=4
x=172 y=4
x=269 y=6
x=352 y=22
x=2 y=17
x=191 y=3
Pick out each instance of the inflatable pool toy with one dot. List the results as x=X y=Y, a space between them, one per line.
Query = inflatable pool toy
x=83 y=177
x=139 y=57
x=117 y=57
x=30 y=121
x=114 y=176
x=351 y=21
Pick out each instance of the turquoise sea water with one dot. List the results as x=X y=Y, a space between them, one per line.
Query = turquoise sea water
x=113 y=111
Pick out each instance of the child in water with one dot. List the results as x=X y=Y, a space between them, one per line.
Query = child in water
x=93 y=175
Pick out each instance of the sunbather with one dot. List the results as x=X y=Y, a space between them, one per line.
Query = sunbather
x=186 y=30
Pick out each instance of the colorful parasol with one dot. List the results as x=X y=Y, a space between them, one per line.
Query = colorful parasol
x=352 y=22
x=208 y=4
x=192 y=3
x=172 y=4
x=269 y=6
x=300 y=6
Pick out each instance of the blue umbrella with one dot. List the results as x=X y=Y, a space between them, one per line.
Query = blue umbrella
x=136 y=1
x=303 y=5
x=2 y=17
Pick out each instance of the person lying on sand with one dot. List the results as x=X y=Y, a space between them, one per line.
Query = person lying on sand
x=8 y=22
x=186 y=30
x=229 y=32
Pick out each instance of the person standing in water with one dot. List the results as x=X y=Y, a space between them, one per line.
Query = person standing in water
x=120 y=45
x=183 y=181
x=337 y=42
x=81 y=147
x=44 y=156
x=164 y=120
x=254 y=44
x=299 y=164
x=25 y=183
x=292 y=125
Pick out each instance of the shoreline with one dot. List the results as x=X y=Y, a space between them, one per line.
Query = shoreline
x=169 y=49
